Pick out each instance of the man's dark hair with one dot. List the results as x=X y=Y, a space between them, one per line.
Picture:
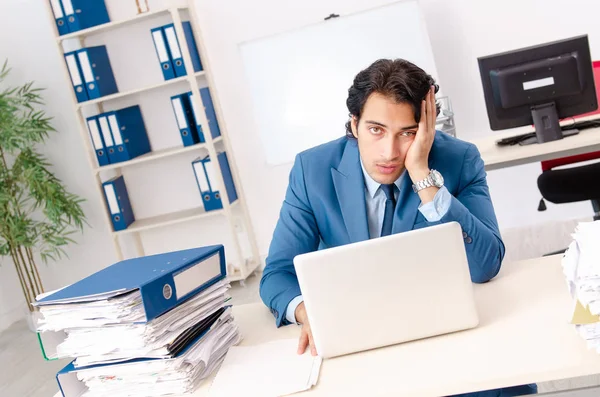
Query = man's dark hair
x=398 y=79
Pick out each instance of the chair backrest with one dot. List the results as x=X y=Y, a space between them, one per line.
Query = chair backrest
x=549 y=164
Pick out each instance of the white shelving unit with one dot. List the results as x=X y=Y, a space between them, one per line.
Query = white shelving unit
x=245 y=265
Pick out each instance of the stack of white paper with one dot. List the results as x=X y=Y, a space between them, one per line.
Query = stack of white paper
x=118 y=353
x=267 y=370
x=118 y=340
x=581 y=266
x=152 y=378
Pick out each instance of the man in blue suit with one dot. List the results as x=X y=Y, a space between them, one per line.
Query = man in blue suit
x=391 y=173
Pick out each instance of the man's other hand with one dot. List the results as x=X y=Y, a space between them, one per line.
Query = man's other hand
x=306 y=338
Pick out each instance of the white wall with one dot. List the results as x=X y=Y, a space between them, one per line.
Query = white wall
x=460 y=31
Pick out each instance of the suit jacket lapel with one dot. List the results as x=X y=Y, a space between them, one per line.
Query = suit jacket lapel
x=349 y=186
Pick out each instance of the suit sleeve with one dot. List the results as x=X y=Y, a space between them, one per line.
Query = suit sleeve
x=296 y=233
x=472 y=208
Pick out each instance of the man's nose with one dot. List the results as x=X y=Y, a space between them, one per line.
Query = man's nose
x=391 y=148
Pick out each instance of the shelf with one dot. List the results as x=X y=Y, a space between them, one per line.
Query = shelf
x=136 y=91
x=170 y=219
x=236 y=275
x=114 y=25
x=151 y=156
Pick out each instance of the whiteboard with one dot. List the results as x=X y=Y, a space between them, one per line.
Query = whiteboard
x=299 y=80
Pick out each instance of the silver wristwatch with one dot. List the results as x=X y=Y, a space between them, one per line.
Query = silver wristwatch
x=433 y=179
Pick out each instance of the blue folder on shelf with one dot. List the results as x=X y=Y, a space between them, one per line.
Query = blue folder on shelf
x=164 y=280
x=84 y=14
x=59 y=16
x=97 y=72
x=209 y=111
x=107 y=137
x=97 y=141
x=76 y=76
x=119 y=206
x=175 y=49
x=207 y=183
x=185 y=120
x=164 y=57
x=129 y=133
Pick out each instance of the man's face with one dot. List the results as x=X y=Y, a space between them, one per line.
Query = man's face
x=384 y=133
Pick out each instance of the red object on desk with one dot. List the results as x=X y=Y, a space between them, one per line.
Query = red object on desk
x=549 y=164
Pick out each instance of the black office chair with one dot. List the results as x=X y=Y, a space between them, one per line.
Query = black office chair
x=572 y=184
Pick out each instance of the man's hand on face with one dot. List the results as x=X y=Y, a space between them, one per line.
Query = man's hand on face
x=306 y=338
x=417 y=157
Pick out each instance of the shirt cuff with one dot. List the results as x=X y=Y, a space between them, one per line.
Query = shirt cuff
x=436 y=209
x=290 y=313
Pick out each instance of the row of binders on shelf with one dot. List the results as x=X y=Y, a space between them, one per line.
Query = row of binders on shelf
x=121 y=135
x=74 y=15
x=169 y=51
x=119 y=205
x=150 y=326
x=92 y=74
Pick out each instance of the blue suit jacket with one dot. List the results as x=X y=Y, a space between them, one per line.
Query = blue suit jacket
x=325 y=207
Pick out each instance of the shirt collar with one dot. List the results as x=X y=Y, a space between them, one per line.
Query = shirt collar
x=372 y=185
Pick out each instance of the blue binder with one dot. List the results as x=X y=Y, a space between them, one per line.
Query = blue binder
x=210 y=113
x=185 y=120
x=107 y=137
x=97 y=141
x=175 y=49
x=97 y=72
x=164 y=57
x=207 y=184
x=59 y=16
x=84 y=14
x=117 y=200
x=129 y=133
x=76 y=76
x=164 y=280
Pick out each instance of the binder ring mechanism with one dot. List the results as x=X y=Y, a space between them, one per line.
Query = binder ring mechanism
x=167 y=291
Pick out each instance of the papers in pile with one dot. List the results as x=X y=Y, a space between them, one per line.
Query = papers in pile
x=150 y=326
x=581 y=265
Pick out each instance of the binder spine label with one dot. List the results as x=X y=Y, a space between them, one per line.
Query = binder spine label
x=111 y=198
x=114 y=126
x=196 y=275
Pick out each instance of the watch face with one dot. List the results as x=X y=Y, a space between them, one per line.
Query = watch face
x=437 y=178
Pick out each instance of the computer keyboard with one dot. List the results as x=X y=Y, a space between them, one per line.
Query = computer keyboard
x=568 y=130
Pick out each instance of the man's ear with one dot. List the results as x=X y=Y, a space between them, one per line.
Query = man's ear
x=354 y=126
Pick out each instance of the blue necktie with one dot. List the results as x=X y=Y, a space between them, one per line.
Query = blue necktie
x=390 y=205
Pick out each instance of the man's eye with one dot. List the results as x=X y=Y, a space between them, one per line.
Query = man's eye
x=408 y=133
x=375 y=130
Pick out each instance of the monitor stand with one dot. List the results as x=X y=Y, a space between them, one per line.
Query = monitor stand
x=533 y=139
x=545 y=120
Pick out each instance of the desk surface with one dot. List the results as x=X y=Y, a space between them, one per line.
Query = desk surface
x=496 y=157
x=523 y=337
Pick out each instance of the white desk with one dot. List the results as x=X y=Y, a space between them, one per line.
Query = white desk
x=496 y=157
x=523 y=337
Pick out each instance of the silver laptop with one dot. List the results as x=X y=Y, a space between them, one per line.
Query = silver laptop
x=387 y=290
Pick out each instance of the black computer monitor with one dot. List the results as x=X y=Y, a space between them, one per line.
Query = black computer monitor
x=539 y=85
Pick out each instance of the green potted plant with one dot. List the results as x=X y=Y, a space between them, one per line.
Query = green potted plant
x=37 y=215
